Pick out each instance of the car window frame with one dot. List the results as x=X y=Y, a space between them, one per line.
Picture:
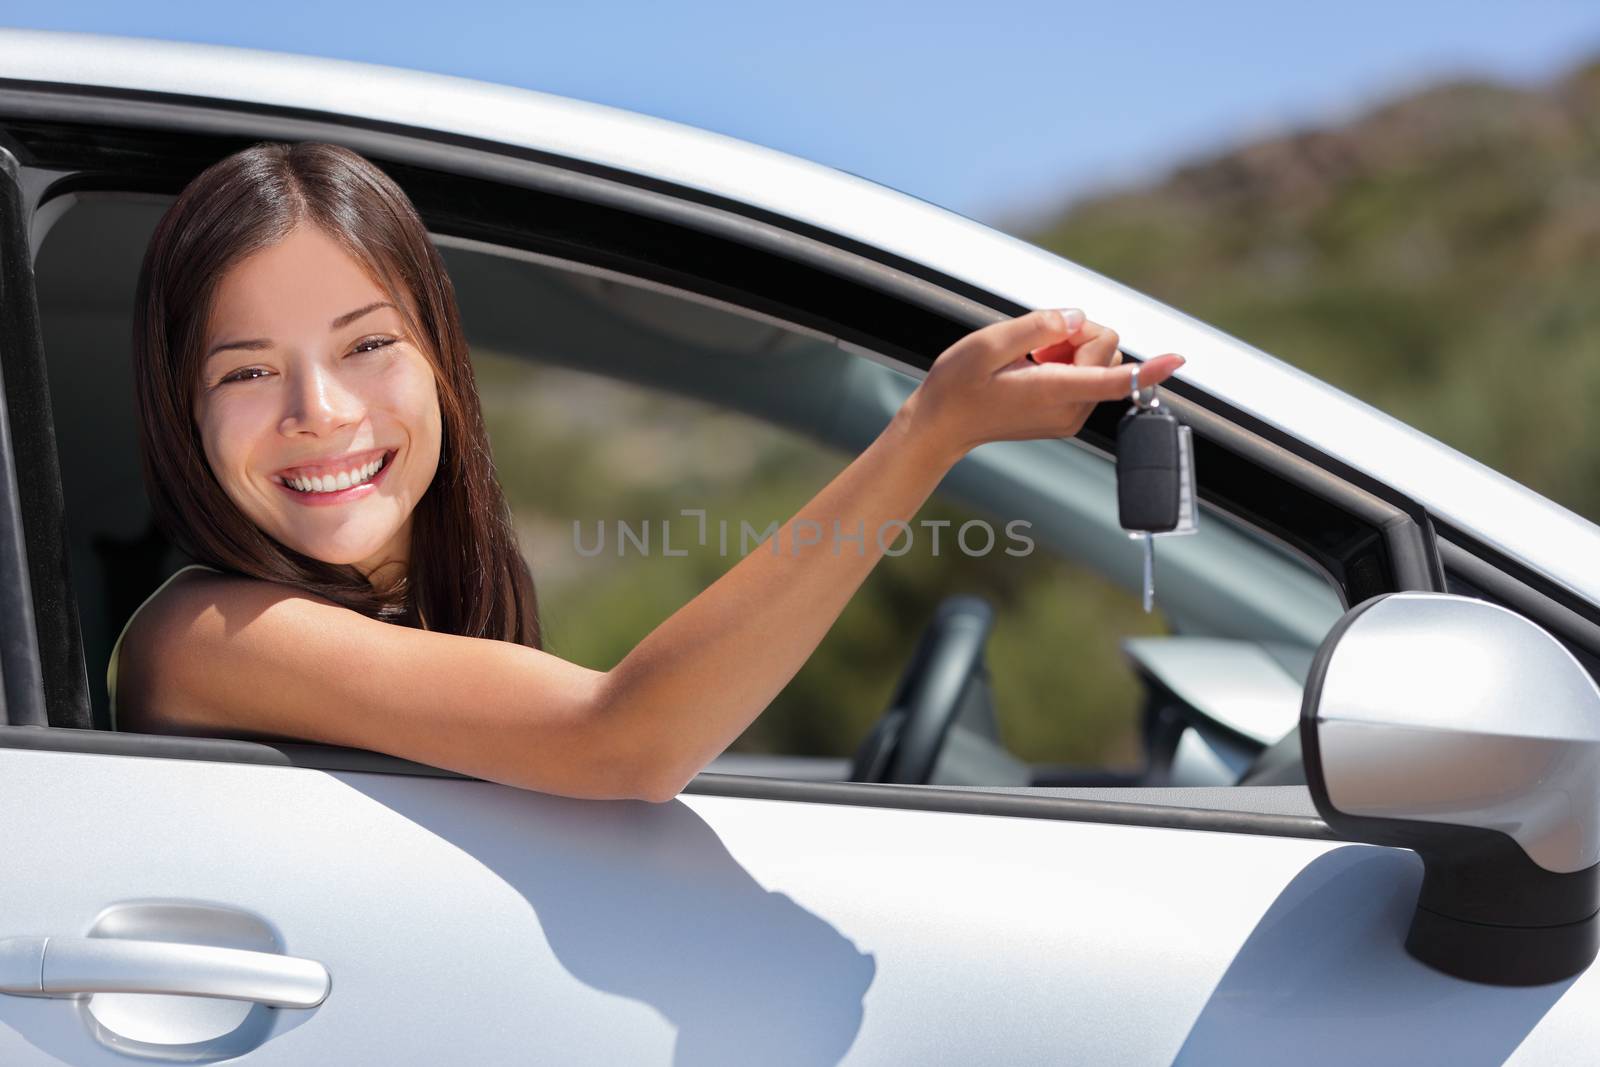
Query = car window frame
x=896 y=308
x=30 y=485
x=1474 y=569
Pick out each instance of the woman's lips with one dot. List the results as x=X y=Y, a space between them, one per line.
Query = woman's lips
x=342 y=496
x=333 y=465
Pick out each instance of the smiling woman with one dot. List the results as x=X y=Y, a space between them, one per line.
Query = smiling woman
x=293 y=323
x=311 y=433
x=322 y=415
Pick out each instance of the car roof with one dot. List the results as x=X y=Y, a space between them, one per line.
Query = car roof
x=1509 y=517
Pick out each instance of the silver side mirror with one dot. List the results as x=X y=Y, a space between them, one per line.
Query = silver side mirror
x=1465 y=732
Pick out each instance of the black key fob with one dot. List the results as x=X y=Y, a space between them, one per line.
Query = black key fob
x=1149 y=486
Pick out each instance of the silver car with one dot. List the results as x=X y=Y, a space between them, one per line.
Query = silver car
x=1365 y=823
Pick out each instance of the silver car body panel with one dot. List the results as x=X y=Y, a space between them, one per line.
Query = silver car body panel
x=1547 y=538
x=503 y=926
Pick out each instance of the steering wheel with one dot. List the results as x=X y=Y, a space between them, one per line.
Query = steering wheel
x=905 y=743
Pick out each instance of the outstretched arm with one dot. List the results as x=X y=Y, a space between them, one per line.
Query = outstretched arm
x=693 y=685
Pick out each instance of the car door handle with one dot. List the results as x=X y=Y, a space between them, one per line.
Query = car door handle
x=77 y=966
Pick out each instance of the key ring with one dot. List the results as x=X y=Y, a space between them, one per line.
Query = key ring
x=1143 y=399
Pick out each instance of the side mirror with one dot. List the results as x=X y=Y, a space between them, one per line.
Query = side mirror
x=1463 y=731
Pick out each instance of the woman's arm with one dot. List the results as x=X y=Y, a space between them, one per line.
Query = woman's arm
x=695 y=682
x=686 y=691
x=221 y=654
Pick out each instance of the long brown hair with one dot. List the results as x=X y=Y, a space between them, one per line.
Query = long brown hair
x=465 y=575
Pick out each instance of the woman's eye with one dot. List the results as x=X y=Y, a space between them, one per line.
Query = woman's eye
x=245 y=374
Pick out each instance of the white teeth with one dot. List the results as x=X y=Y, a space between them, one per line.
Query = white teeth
x=334 y=483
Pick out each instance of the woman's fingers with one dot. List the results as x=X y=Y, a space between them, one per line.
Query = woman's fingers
x=983 y=388
x=1092 y=345
x=1115 y=382
x=1100 y=350
x=1006 y=341
x=1100 y=382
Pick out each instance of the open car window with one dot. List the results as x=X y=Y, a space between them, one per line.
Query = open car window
x=647 y=436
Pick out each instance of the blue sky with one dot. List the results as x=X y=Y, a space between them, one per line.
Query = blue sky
x=998 y=109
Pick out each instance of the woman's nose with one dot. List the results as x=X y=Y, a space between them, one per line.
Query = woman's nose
x=319 y=404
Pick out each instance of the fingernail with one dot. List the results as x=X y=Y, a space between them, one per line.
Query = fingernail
x=1072 y=318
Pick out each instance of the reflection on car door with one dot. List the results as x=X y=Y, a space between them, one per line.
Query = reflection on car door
x=465 y=919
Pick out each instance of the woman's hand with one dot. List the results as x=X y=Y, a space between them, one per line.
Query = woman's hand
x=985 y=388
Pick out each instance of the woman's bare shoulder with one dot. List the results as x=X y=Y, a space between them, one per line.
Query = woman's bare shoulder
x=220 y=655
x=178 y=628
x=228 y=655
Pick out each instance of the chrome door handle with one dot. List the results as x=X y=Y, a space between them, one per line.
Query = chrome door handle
x=78 y=966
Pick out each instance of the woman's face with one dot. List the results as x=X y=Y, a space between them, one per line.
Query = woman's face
x=318 y=413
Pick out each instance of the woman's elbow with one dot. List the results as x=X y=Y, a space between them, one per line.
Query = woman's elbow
x=597 y=779
x=658 y=780
x=655 y=793
x=632 y=764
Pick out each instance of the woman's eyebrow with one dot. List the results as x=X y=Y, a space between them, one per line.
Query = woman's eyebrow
x=261 y=342
x=350 y=316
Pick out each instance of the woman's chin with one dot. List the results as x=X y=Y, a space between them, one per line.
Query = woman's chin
x=343 y=555
x=355 y=541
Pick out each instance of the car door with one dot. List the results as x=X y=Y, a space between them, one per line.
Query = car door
x=421 y=916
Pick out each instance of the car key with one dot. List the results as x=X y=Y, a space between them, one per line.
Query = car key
x=1147 y=479
x=1155 y=476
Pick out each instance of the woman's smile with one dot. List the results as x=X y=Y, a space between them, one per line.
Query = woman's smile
x=336 y=482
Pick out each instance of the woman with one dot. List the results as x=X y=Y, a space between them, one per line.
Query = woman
x=310 y=431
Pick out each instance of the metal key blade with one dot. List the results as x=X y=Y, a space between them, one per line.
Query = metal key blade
x=1149 y=572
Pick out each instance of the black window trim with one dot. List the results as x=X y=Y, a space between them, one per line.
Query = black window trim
x=1403 y=534
x=902 y=797
x=37 y=633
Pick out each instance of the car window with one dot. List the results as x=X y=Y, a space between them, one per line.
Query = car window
x=613 y=485
x=646 y=439
x=623 y=414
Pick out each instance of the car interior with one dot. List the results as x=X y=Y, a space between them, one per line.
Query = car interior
x=1245 y=609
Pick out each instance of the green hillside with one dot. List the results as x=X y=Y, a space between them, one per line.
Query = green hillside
x=1438 y=257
